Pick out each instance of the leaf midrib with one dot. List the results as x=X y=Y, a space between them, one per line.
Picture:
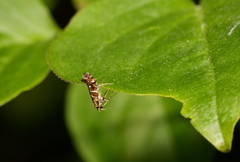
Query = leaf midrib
x=201 y=17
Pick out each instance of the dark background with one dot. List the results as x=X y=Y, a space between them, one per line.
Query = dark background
x=32 y=127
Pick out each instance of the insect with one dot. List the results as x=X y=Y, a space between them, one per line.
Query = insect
x=98 y=101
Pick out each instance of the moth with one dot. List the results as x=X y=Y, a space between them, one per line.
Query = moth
x=98 y=100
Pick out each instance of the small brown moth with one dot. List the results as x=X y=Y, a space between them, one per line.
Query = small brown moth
x=98 y=101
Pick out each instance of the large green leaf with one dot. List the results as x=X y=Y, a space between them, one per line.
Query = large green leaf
x=25 y=32
x=156 y=47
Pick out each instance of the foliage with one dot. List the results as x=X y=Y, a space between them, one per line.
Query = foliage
x=25 y=34
x=168 y=48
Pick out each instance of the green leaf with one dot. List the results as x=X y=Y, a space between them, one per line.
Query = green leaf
x=25 y=32
x=155 y=47
x=50 y=3
x=222 y=33
x=82 y=3
x=136 y=128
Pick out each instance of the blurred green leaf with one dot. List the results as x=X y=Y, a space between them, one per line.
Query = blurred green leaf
x=79 y=4
x=50 y=3
x=25 y=32
x=136 y=128
x=156 y=47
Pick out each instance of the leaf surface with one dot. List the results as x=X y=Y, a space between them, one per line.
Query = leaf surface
x=25 y=32
x=155 y=47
